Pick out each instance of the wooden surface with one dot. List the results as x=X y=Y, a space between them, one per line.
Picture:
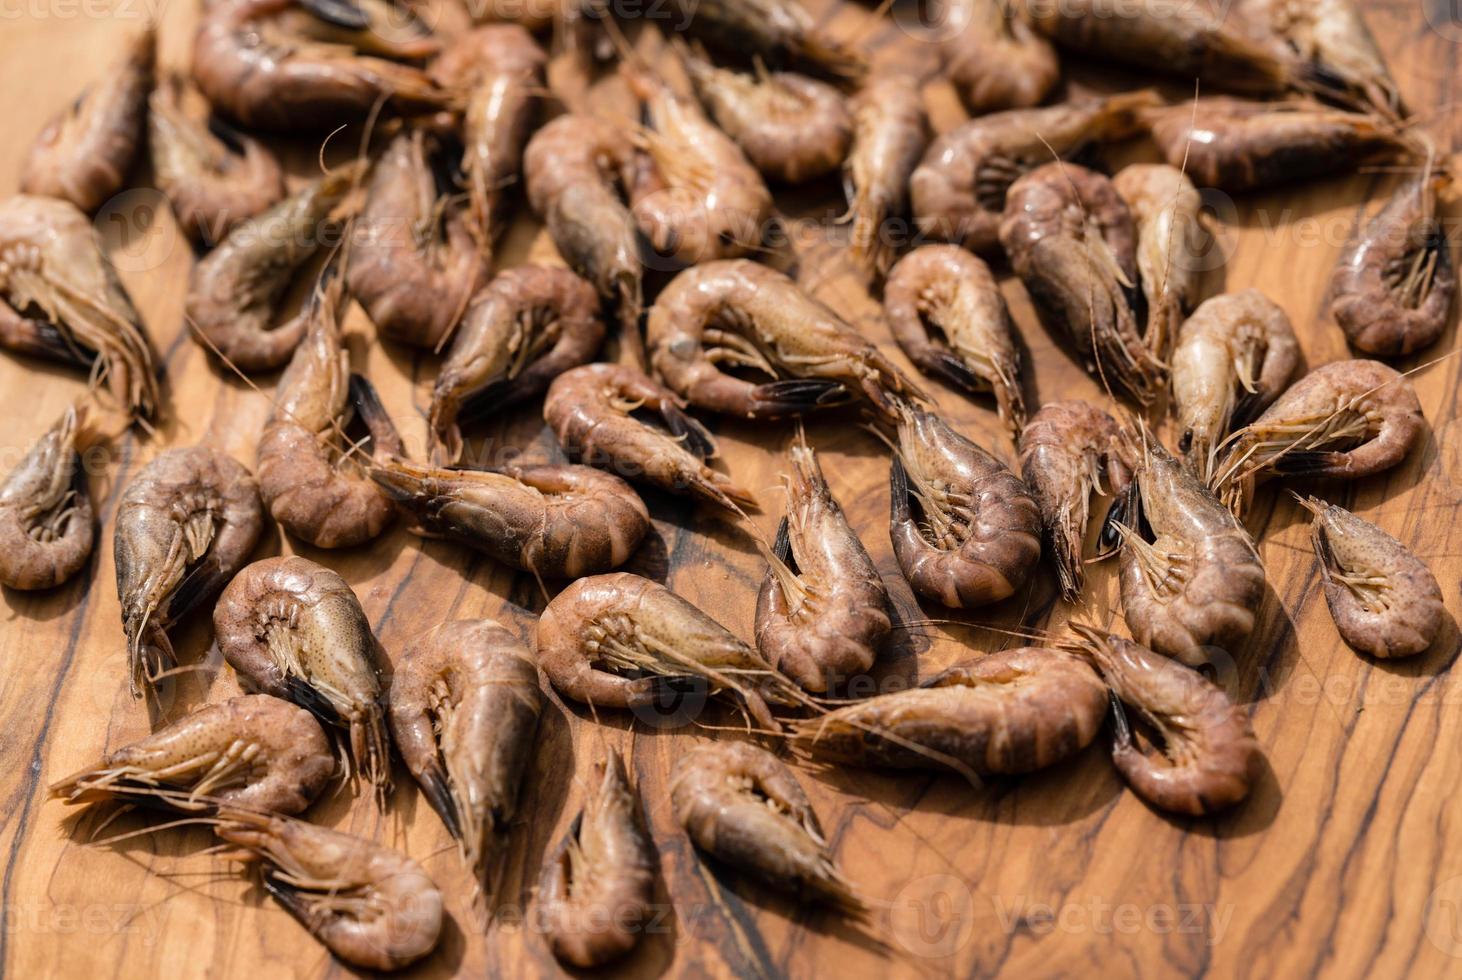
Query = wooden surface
x=1346 y=860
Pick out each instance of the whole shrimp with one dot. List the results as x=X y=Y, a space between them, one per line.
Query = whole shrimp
x=1170 y=242
x=83 y=155
x=526 y=328
x=1234 y=356
x=741 y=805
x=294 y=629
x=1333 y=39
x=598 y=414
x=47 y=524
x=780 y=32
x=464 y=713
x=977 y=534
x=1068 y=451
x=60 y=299
x=994 y=59
x=596 y=891
x=945 y=310
x=253 y=751
x=889 y=135
x=1384 y=600
x=822 y=612
x=185 y=524
x=745 y=315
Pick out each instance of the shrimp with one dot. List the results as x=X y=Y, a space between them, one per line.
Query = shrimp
x=1384 y=600
x=780 y=32
x=740 y=804
x=528 y=326
x=958 y=189
x=1333 y=39
x=598 y=414
x=978 y=531
x=597 y=890
x=1068 y=451
x=60 y=298
x=253 y=751
x=186 y=523
x=946 y=312
x=236 y=289
x=748 y=316
x=371 y=906
x=215 y=177
x=1234 y=356
x=994 y=59
x=47 y=524
x=294 y=629
x=1170 y=243
x=1393 y=288
x=83 y=155
x=1209 y=757
x=464 y=712
x=889 y=135
x=532 y=15
x=822 y=612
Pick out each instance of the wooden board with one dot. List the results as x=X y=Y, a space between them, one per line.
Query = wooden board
x=1347 y=859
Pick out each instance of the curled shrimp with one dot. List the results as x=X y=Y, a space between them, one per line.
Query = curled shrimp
x=780 y=32
x=889 y=135
x=1068 y=451
x=186 y=523
x=253 y=751
x=740 y=804
x=1234 y=356
x=47 y=524
x=60 y=299
x=1170 y=242
x=977 y=534
x=294 y=629
x=596 y=891
x=1333 y=39
x=83 y=156
x=994 y=59
x=1384 y=600
x=527 y=327
x=598 y=412
x=945 y=310
x=464 y=713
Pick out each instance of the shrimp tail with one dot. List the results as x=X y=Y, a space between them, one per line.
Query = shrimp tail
x=797 y=395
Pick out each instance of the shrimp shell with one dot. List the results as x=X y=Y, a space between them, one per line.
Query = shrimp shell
x=1170 y=244
x=995 y=60
x=890 y=132
x=47 y=524
x=777 y=31
x=1333 y=39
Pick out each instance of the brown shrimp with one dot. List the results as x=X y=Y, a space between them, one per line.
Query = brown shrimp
x=890 y=132
x=958 y=189
x=253 y=751
x=977 y=533
x=748 y=316
x=1234 y=356
x=596 y=891
x=780 y=32
x=60 y=299
x=1170 y=244
x=946 y=311
x=294 y=629
x=741 y=805
x=526 y=328
x=84 y=155
x=1384 y=600
x=532 y=15
x=994 y=59
x=186 y=523
x=1333 y=39
x=597 y=412
x=47 y=524
x=464 y=708
x=1068 y=451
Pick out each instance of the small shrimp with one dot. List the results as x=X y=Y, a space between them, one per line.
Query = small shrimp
x=890 y=132
x=532 y=15
x=526 y=328
x=253 y=751
x=464 y=712
x=1384 y=600
x=944 y=289
x=740 y=804
x=84 y=155
x=780 y=32
x=596 y=892
x=294 y=629
x=1209 y=757
x=1068 y=451
x=822 y=612
x=60 y=299
x=47 y=524
x=1392 y=290
x=186 y=523
x=978 y=531
x=745 y=315
x=598 y=414
x=1170 y=243
x=371 y=906
x=1234 y=356
x=995 y=60
x=958 y=189
x=1332 y=37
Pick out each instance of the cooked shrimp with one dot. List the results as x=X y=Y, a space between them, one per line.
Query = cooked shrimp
x=1333 y=38
x=1170 y=242
x=889 y=135
x=994 y=59
x=778 y=31
x=47 y=524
